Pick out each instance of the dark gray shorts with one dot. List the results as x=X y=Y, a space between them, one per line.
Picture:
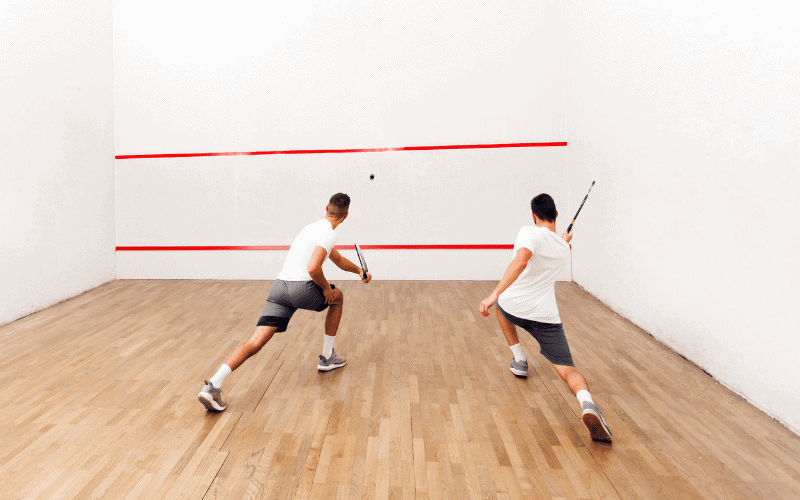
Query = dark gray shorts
x=552 y=340
x=286 y=297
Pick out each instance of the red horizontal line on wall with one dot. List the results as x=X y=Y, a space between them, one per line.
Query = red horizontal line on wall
x=370 y=150
x=170 y=248
x=428 y=247
x=339 y=247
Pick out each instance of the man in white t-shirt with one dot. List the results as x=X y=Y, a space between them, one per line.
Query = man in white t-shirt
x=526 y=297
x=301 y=284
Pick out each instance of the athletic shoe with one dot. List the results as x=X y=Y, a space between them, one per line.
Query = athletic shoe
x=326 y=365
x=519 y=368
x=211 y=397
x=595 y=422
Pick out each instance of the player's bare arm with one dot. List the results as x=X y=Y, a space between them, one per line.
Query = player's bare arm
x=347 y=265
x=515 y=268
x=315 y=271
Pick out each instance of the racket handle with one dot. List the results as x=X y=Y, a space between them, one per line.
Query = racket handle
x=363 y=274
x=569 y=228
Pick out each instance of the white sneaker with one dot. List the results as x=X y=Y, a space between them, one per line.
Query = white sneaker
x=595 y=422
x=326 y=365
x=519 y=368
x=211 y=397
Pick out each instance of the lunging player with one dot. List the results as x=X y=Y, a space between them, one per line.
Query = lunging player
x=526 y=297
x=301 y=284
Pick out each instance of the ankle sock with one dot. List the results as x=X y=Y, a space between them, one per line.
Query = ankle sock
x=517 y=350
x=220 y=376
x=327 y=347
x=583 y=395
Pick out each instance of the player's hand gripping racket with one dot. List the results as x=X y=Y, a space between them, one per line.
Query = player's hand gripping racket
x=362 y=261
x=579 y=208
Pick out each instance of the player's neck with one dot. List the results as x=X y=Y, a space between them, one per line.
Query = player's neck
x=335 y=221
x=549 y=225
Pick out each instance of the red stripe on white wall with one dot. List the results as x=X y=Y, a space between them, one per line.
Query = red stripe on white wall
x=338 y=247
x=327 y=151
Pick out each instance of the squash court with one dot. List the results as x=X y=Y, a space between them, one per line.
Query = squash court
x=158 y=160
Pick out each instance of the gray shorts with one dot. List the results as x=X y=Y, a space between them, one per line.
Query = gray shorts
x=551 y=337
x=286 y=297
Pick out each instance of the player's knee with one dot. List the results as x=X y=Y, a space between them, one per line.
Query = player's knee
x=256 y=342
x=339 y=297
x=564 y=371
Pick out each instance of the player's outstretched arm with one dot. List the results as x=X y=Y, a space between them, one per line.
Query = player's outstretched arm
x=345 y=264
x=518 y=264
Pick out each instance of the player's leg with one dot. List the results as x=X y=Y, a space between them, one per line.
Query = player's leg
x=554 y=347
x=211 y=394
x=334 y=314
x=574 y=380
x=329 y=360
x=261 y=335
x=308 y=295
x=519 y=365
x=591 y=415
x=274 y=318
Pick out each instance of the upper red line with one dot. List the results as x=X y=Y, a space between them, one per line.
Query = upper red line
x=369 y=150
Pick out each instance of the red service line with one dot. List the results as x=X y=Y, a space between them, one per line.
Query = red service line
x=428 y=247
x=338 y=247
x=370 y=150
x=171 y=248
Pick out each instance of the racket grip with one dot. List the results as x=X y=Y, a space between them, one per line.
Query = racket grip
x=569 y=228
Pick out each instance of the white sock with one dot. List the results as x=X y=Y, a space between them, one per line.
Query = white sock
x=220 y=376
x=327 y=347
x=517 y=350
x=583 y=395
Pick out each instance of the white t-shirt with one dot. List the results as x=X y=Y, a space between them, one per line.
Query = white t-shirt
x=533 y=295
x=320 y=234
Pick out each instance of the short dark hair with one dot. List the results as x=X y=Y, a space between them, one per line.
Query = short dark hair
x=342 y=203
x=544 y=207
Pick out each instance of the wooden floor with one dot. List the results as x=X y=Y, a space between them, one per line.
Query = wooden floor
x=100 y=401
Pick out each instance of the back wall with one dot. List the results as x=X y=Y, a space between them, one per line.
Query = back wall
x=312 y=77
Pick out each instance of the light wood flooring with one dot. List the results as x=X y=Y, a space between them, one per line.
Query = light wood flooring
x=99 y=400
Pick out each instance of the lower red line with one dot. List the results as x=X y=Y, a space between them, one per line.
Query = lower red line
x=170 y=248
x=339 y=247
x=429 y=247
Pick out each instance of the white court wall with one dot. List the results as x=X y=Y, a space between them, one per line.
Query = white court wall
x=56 y=153
x=687 y=118
x=275 y=76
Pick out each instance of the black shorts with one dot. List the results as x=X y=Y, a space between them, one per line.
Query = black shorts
x=551 y=337
x=286 y=297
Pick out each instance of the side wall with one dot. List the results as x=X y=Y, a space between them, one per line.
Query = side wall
x=687 y=118
x=56 y=137
x=254 y=77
